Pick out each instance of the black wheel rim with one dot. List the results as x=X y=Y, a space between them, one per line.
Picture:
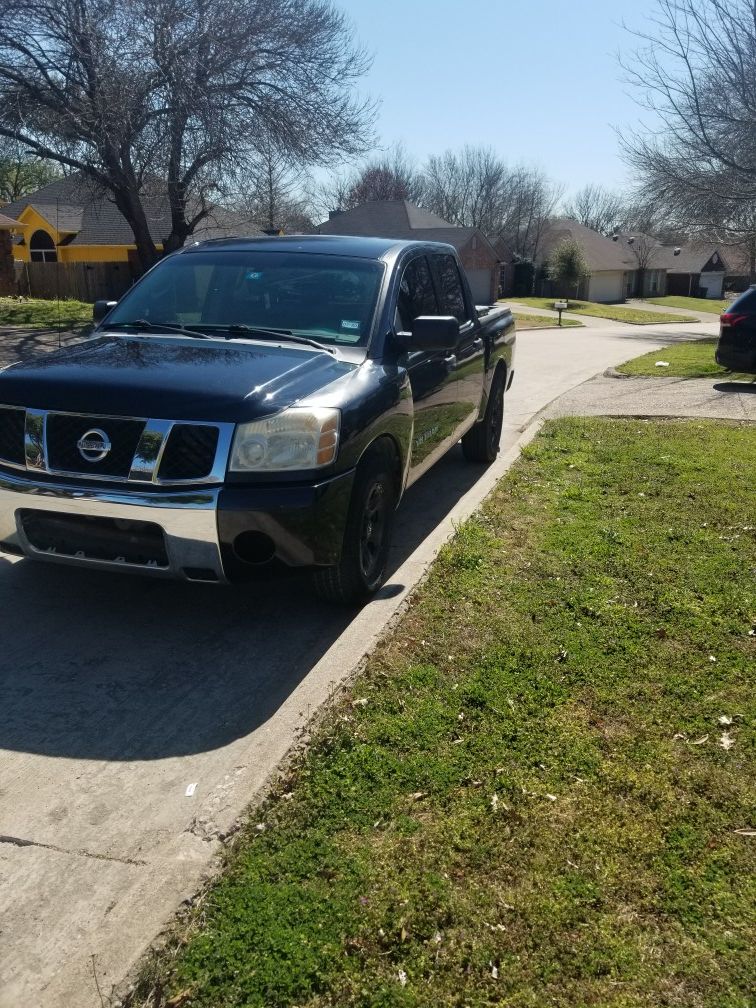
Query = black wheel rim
x=497 y=419
x=373 y=532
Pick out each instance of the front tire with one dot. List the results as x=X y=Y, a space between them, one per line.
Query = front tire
x=367 y=536
x=481 y=443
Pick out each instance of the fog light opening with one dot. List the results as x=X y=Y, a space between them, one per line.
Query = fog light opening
x=254 y=547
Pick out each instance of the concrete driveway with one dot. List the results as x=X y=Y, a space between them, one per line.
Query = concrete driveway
x=139 y=718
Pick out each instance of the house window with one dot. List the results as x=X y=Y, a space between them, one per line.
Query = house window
x=42 y=247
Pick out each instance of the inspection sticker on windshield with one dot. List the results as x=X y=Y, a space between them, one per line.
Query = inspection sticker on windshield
x=350 y=325
x=253 y=275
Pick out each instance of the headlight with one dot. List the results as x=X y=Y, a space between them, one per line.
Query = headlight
x=298 y=438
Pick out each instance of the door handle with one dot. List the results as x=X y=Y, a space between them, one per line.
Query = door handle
x=477 y=342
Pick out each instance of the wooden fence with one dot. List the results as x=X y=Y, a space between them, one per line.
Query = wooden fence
x=81 y=281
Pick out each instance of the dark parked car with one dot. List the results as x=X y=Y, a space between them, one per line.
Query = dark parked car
x=736 y=349
x=252 y=404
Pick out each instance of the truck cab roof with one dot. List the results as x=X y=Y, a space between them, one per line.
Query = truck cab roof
x=357 y=246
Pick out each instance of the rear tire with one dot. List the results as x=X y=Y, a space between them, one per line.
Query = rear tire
x=367 y=536
x=481 y=443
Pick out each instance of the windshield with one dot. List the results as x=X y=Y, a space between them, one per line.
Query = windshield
x=330 y=298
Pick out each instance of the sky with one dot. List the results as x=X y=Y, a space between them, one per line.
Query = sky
x=537 y=80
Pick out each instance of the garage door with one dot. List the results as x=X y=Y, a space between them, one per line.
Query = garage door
x=712 y=282
x=480 y=285
x=606 y=286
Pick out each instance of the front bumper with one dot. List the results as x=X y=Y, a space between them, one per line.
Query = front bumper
x=188 y=534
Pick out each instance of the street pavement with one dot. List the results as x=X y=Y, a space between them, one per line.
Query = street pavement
x=138 y=719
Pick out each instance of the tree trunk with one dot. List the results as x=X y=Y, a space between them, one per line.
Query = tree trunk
x=131 y=207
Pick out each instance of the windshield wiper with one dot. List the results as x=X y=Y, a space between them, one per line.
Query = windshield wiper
x=286 y=335
x=146 y=326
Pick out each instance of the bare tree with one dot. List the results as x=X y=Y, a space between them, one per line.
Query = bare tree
x=127 y=91
x=695 y=68
x=598 y=208
x=268 y=191
x=531 y=201
x=474 y=187
x=387 y=176
x=644 y=249
x=391 y=176
x=467 y=187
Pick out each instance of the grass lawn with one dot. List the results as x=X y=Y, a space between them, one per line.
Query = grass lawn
x=525 y=321
x=540 y=791
x=691 y=303
x=618 y=313
x=37 y=313
x=686 y=360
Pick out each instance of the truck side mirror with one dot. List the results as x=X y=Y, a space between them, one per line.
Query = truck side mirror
x=434 y=332
x=101 y=308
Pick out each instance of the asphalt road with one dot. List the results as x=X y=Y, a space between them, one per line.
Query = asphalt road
x=117 y=694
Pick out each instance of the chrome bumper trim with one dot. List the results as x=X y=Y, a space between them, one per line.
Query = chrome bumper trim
x=187 y=518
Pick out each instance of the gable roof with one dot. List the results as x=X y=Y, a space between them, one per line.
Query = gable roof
x=8 y=224
x=600 y=253
x=402 y=220
x=379 y=217
x=692 y=257
x=77 y=206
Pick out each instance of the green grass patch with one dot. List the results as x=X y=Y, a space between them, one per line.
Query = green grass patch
x=538 y=791
x=525 y=321
x=691 y=303
x=41 y=314
x=618 y=313
x=686 y=360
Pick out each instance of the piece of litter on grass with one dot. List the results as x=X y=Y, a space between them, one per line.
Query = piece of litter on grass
x=551 y=797
x=700 y=741
x=726 y=741
x=724 y=719
x=745 y=832
x=402 y=978
x=494 y=802
x=494 y=971
x=190 y=789
x=359 y=703
x=662 y=363
x=712 y=658
x=261 y=827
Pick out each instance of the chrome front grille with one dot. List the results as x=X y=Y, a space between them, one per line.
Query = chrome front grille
x=66 y=431
x=123 y=449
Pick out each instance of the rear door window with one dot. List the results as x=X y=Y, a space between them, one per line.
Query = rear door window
x=450 y=287
x=417 y=295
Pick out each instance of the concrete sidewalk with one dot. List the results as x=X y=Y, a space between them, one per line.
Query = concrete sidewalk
x=677 y=397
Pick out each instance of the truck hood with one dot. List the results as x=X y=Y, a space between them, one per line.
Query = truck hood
x=171 y=378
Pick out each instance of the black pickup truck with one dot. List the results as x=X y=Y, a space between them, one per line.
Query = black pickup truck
x=253 y=404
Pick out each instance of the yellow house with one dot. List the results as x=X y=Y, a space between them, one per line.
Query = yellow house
x=71 y=220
